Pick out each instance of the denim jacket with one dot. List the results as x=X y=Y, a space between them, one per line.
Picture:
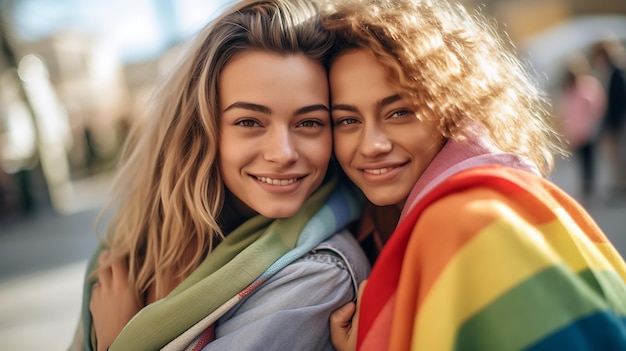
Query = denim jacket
x=291 y=310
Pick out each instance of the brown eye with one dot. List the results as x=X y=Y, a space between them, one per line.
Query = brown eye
x=310 y=124
x=247 y=123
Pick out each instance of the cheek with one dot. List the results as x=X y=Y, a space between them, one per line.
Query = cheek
x=233 y=150
x=319 y=150
x=226 y=163
x=225 y=150
x=426 y=142
x=344 y=146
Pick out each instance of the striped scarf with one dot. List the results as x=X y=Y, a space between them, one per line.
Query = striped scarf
x=246 y=258
x=495 y=258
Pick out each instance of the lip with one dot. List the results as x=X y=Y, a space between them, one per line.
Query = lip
x=382 y=172
x=283 y=183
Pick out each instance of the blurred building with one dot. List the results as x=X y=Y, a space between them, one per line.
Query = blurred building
x=143 y=77
x=102 y=95
x=18 y=147
x=522 y=19
x=88 y=78
x=546 y=32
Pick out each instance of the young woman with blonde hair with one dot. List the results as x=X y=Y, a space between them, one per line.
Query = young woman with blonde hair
x=228 y=231
x=434 y=115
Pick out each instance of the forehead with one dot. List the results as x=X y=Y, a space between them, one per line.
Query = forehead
x=268 y=65
x=358 y=75
x=270 y=78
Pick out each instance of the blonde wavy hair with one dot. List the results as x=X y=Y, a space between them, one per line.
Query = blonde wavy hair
x=454 y=67
x=169 y=191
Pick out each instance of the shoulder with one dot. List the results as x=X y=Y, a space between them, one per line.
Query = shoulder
x=509 y=197
x=334 y=267
x=477 y=223
x=465 y=210
x=342 y=251
x=305 y=292
x=344 y=246
x=513 y=210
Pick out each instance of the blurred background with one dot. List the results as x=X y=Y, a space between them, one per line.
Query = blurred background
x=76 y=74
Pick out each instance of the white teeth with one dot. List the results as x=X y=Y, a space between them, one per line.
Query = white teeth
x=277 y=181
x=378 y=171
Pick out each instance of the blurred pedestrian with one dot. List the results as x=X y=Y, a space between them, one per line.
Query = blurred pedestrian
x=609 y=59
x=579 y=106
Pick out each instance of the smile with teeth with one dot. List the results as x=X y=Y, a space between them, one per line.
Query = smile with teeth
x=277 y=181
x=378 y=170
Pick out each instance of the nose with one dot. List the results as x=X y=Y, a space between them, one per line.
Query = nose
x=280 y=147
x=374 y=142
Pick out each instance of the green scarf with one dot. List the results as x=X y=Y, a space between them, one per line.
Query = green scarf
x=243 y=256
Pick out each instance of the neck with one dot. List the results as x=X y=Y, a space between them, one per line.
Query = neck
x=400 y=205
x=234 y=213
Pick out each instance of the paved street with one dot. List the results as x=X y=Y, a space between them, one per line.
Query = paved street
x=42 y=261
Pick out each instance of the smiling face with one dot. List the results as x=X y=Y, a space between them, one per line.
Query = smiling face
x=275 y=130
x=379 y=142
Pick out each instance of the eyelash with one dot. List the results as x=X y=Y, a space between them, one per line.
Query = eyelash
x=398 y=114
x=404 y=113
x=251 y=123
x=246 y=123
x=315 y=122
x=344 y=121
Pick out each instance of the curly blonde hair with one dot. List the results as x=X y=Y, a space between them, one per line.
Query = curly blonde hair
x=169 y=191
x=454 y=67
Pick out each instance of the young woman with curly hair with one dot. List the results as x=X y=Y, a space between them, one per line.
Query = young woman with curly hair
x=434 y=115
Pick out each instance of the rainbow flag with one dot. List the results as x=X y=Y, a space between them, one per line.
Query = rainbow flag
x=495 y=258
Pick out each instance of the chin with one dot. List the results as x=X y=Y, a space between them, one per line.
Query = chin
x=383 y=200
x=381 y=203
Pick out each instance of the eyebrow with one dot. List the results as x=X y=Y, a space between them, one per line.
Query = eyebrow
x=249 y=106
x=311 y=108
x=383 y=102
x=266 y=110
x=389 y=100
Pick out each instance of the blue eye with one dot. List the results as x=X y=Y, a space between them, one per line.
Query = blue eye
x=400 y=114
x=346 y=121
